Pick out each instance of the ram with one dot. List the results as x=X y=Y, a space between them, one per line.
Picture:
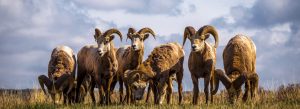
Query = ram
x=99 y=61
x=130 y=57
x=202 y=59
x=164 y=62
x=239 y=57
x=62 y=62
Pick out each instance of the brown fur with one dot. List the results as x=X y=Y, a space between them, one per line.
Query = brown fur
x=162 y=64
x=61 y=63
x=202 y=59
x=239 y=57
x=101 y=68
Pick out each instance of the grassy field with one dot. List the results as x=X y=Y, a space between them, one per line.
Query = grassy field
x=284 y=97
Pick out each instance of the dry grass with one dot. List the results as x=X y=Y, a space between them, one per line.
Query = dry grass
x=284 y=97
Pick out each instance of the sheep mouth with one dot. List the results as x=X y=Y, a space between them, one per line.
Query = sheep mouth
x=195 y=50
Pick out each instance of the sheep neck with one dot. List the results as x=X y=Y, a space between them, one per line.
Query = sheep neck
x=146 y=67
x=137 y=58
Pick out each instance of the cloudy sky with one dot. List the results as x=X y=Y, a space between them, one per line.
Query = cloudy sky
x=30 y=29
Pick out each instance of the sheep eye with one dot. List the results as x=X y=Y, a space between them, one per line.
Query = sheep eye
x=134 y=87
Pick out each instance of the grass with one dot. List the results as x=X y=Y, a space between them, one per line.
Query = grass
x=284 y=97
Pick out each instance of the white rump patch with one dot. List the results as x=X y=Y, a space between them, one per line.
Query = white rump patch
x=66 y=49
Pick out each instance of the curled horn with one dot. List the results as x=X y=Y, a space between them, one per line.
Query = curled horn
x=112 y=31
x=97 y=33
x=239 y=81
x=65 y=81
x=44 y=80
x=130 y=31
x=188 y=31
x=221 y=76
x=202 y=32
x=147 y=30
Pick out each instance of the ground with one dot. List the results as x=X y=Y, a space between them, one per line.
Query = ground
x=284 y=97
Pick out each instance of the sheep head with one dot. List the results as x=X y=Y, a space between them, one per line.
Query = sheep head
x=137 y=81
x=104 y=40
x=198 y=38
x=56 y=88
x=138 y=38
x=59 y=70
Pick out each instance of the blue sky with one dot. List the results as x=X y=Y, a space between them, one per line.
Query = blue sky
x=30 y=29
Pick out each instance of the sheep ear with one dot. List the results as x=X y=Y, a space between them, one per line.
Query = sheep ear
x=145 y=36
x=206 y=36
x=97 y=33
x=111 y=37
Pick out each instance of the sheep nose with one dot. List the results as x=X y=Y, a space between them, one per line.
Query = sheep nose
x=193 y=46
x=100 y=52
x=134 y=46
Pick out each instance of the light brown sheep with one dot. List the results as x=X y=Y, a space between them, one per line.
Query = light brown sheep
x=202 y=59
x=99 y=61
x=130 y=57
x=239 y=57
x=164 y=62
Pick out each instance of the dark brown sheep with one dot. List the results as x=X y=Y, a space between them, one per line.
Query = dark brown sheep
x=164 y=62
x=239 y=57
x=99 y=61
x=202 y=59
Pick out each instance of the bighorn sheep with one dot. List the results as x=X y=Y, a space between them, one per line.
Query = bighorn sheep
x=130 y=57
x=239 y=57
x=62 y=62
x=164 y=62
x=202 y=59
x=99 y=61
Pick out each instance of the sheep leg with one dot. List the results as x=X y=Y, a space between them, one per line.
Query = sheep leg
x=254 y=87
x=155 y=92
x=149 y=91
x=179 y=76
x=100 y=88
x=247 y=89
x=196 y=89
x=80 y=77
x=108 y=92
x=112 y=86
x=169 y=91
x=206 y=85
x=92 y=91
x=212 y=87
x=239 y=92
x=121 y=89
x=127 y=94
